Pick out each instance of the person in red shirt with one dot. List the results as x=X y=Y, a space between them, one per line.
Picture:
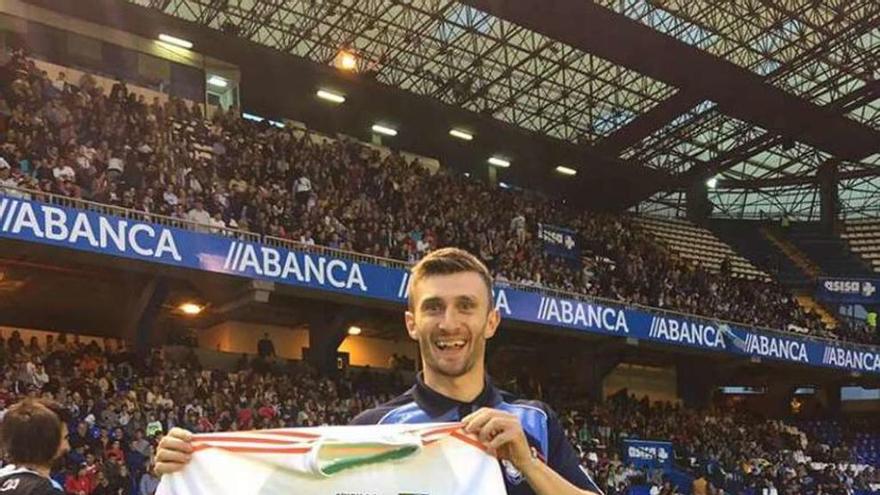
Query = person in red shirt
x=115 y=453
x=267 y=411
x=83 y=483
x=245 y=418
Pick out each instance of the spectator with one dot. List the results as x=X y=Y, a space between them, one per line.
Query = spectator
x=198 y=214
x=83 y=482
x=700 y=486
x=149 y=482
x=302 y=189
x=265 y=347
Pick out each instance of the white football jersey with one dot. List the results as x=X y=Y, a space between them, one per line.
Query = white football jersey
x=401 y=459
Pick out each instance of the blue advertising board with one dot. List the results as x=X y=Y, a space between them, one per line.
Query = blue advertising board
x=559 y=241
x=648 y=454
x=849 y=290
x=32 y=221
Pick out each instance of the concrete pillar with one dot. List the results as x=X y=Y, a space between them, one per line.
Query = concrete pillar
x=696 y=381
x=828 y=195
x=698 y=205
x=777 y=399
x=491 y=175
x=328 y=327
x=594 y=368
x=143 y=311
x=831 y=393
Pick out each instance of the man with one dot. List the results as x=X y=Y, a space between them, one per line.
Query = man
x=700 y=486
x=451 y=315
x=33 y=436
x=265 y=347
x=8 y=183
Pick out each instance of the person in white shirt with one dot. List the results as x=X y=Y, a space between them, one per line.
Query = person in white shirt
x=307 y=239
x=518 y=226
x=217 y=224
x=302 y=189
x=198 y=214
x=64 y=173
x=7 y=182
x=115 y=165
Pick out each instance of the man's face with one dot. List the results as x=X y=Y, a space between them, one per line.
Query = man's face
x=451 y=319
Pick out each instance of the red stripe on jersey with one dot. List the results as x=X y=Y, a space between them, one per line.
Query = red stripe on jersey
x=469 y=440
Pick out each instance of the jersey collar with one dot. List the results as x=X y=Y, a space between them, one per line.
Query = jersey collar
x=436 y=404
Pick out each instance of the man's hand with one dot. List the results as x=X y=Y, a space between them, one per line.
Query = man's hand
x=175 y=450
x=503 y=433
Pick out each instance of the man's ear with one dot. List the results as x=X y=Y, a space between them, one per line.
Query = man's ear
x=492 y=323
x=410 y=319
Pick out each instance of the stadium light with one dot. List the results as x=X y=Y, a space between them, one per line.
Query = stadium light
x=330 y=96
x=566 y=170
x=346 y=60
x=173 y=40
x=499 y=162
x=353 y=330
x=712 y=183
x=191 y=309
x=384 y=130
x=218 y=81
x=460 y=134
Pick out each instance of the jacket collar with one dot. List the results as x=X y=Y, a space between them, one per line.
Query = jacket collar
x=436 y=404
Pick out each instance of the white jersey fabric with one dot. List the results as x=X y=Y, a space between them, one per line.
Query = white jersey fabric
x=401 y=459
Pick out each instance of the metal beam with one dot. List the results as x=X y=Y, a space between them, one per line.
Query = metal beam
x=737 y=91
x=648 y=123
x=794 y=181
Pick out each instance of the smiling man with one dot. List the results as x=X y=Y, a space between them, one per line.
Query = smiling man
x=451 y=316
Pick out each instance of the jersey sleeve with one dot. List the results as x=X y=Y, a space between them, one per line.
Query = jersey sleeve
x=564 y=459
x=370 y=416
x=47 y=489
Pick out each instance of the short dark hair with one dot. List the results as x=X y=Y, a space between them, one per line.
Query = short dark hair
x=31 y=431
x=448 y=261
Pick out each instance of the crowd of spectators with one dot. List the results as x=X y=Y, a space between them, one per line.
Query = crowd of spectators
x=733 y=450
x=76 y=140
x=121 y=403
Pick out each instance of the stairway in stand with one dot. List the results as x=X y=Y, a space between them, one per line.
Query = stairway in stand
x=804 y=288
x=810 y=269
x=810 y=304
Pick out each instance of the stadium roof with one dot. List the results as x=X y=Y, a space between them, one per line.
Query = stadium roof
x=761 y=92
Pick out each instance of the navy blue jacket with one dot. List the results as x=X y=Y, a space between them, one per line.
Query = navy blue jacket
x=421 y=404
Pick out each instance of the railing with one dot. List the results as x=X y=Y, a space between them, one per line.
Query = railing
x=128 y=213
x=367 y=258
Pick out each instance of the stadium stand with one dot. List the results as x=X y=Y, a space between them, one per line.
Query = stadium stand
x=72 y=133
x=165 y=158
x=863 y=237
x=828 y=251
x=700 y=245
x=122 y=403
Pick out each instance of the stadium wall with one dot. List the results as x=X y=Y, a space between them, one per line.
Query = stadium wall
x=658 y=384
x=57 y=37
x=242 y=337
x=861 y=406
